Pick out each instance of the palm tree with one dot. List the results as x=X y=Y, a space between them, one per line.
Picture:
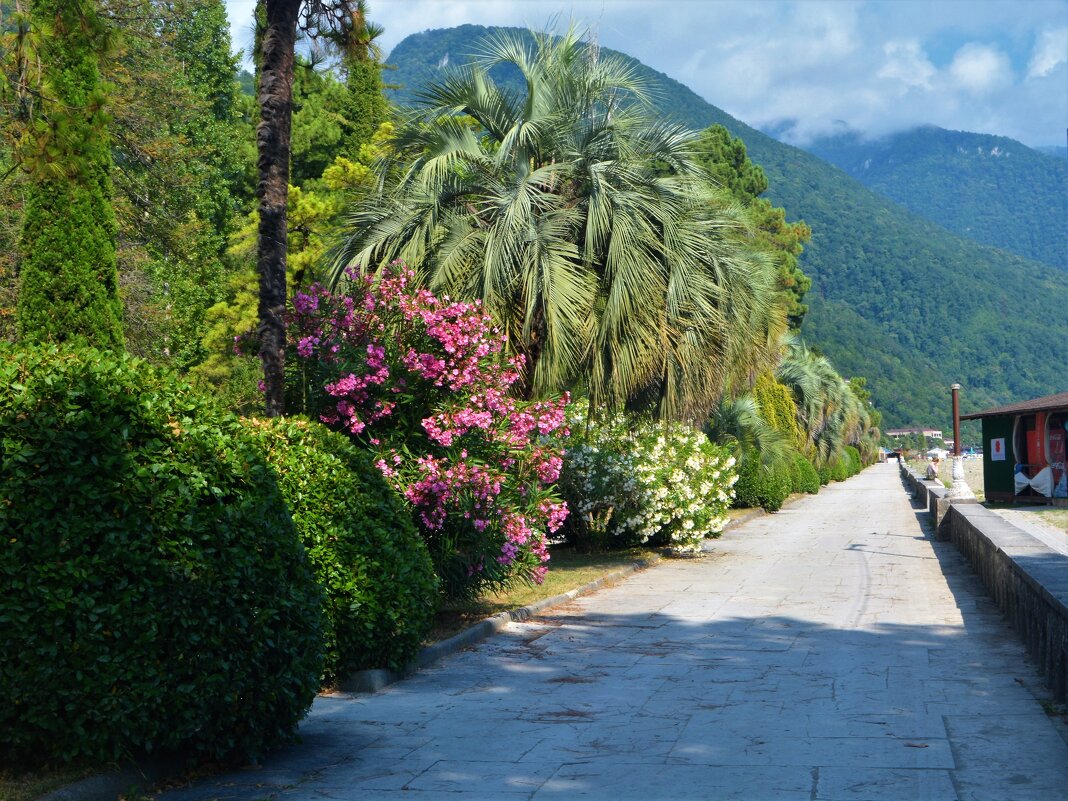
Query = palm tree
x=584 y=224
x=831 y=415
x=737 y=423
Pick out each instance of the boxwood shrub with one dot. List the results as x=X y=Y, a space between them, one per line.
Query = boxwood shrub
x=846 y=465
x=808 y=478
x=379 y=585
x=840 y=468
x=153 y=593
x=855 y=463
x=760 y=486
x=826 y=473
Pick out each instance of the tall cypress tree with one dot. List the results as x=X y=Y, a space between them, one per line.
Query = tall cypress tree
x=69 y=281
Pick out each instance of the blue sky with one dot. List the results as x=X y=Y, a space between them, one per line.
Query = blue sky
x=809 y=67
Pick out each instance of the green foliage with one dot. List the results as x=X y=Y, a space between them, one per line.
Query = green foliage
x=151 y=582
x=855 y=462
x=69 y=283
x=990 y=189
x=366 y=107
x=379 y=585
x=584 y=224
x=180 y=144
x=724 y=156
x=314 y=214
x=171 y=130
x=829 y=413
x=861 y=245
x=808 y=480
x=777 y=408
x=761 y=486
x=845 y=465
x=841 y=468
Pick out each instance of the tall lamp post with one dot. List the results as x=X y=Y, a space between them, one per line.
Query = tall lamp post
x=960 y=490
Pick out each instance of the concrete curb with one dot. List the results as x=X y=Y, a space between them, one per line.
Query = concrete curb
x=753 y=514
x=741 y=520
x=369 y=681
x=109 y=786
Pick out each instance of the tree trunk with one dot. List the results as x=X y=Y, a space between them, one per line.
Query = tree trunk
x=272 y=142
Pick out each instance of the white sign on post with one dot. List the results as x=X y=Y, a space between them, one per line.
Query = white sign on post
x=997 y=449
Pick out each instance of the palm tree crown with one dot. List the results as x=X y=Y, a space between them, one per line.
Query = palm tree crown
x=583 y=223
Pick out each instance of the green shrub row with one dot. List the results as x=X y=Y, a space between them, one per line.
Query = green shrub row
x=808 y=480
x=152 y=583
x=761 y=485
x=768 y=487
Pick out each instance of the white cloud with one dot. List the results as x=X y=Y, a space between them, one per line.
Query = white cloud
x=907 y=63
x=980 y=68
x=1051 y=49
x=874 y=65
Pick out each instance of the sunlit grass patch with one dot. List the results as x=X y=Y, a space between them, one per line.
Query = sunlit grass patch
x=568 y=570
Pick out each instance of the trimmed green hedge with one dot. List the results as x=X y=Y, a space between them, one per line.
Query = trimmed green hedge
x=758 y=486
x=846 y=465
x=380 y=591
x=840 y=469
x=826 y=474
x=153 y=593
x=808 y=478
x=855 y=462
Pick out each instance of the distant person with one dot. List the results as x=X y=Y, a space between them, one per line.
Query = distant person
x=932 y=468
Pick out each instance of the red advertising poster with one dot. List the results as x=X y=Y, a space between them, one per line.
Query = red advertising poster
x=997 y=449
x=1056 y=460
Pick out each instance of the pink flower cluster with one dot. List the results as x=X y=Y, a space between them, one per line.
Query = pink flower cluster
x=427 y=383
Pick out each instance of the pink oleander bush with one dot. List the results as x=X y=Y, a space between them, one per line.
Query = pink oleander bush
x=425 y=382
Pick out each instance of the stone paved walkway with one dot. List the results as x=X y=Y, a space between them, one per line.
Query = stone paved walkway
x=831 y=651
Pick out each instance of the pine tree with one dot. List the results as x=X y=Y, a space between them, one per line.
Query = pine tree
x=335 y=22
x=69 y=282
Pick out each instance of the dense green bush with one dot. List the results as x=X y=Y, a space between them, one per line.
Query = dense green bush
x=845 y=465
x=808 y=478
x=778 y=409
x=766 y=487
x=840 y=468
x=153 y=593
x=379 y=584
x=826 y=474
x=855 y=463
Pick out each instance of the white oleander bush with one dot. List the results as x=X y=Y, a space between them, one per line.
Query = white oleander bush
x=633 y=481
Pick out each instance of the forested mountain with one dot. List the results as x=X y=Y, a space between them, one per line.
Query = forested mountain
x=895 y=298
x=992 y=189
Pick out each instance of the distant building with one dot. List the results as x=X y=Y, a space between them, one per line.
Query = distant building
x=932 y=433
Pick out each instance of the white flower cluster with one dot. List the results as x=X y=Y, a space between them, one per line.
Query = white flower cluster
x=631 y=481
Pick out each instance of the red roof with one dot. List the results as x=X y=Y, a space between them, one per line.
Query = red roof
x=1046 y=404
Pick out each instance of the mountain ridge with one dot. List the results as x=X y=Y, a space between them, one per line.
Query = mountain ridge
x=991 y=189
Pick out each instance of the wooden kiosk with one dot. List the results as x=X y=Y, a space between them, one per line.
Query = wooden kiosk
x=1024 y=448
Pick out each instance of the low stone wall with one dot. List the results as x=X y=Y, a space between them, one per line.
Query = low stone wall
x=930 y=492
x=1027 y=579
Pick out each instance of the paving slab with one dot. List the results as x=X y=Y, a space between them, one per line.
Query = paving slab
x=831 y=652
